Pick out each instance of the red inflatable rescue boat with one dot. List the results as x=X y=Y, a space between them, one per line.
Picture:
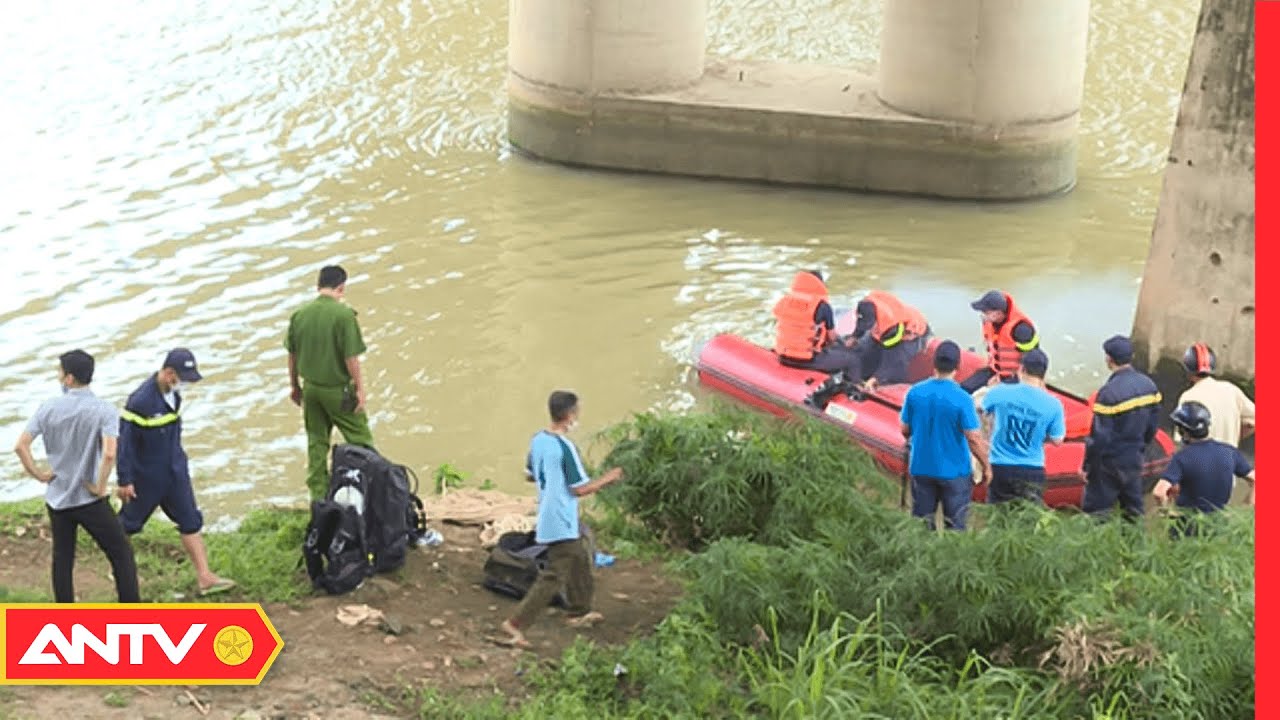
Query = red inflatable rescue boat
x=752 y=374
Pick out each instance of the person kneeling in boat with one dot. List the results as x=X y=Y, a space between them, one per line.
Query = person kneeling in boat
x=1008 y=333
x=1202 y=474
x=888 y=335
x=806 y=331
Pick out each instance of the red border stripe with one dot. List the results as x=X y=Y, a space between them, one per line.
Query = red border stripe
x=1267 y=76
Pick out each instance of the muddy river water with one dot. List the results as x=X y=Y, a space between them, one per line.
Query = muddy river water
x=176 y=173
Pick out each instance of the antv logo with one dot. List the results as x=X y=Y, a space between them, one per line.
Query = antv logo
x=138 y=644
x=72 y=650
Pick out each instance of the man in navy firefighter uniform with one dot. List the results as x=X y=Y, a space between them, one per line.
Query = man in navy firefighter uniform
x=151 y=466
x=1125 y=420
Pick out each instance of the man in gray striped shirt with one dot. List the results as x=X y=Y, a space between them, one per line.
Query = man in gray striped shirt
x=79 y=432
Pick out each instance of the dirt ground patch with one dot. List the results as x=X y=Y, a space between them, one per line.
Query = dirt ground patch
x=330 y=670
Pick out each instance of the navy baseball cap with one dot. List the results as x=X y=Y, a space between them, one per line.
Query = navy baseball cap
x=1036 y=361
x=1119 y=349
x=993 y=300
x=947 y=356
x=183 y=363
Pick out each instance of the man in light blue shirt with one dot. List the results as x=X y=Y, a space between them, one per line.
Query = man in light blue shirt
x=555 y=465
x=1026 y=417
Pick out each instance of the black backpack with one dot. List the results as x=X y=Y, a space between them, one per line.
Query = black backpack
x=335 y=551
x=393 y=513
x=365 y=523
x=513 y=566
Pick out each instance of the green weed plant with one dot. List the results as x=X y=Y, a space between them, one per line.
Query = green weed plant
x=793 y=524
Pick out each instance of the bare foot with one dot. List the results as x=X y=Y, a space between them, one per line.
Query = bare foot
x=514 y=637
x=588 y=620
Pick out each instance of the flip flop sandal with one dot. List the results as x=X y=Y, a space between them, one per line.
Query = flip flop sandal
x=509 y=642
x=588 y=620
x=217 y=588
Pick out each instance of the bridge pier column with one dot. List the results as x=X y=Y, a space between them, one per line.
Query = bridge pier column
x=602 y=46
x=1198 y=284
x=987 y=62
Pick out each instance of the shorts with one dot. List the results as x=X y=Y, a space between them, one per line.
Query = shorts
x=176 y=498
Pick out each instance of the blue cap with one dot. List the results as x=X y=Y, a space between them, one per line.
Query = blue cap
x=1119 y=349
x=947 y=356
x=184 y=363
x=993 y=300
x=1036 y=361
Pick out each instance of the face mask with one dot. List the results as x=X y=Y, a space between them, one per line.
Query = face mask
x=573 y=424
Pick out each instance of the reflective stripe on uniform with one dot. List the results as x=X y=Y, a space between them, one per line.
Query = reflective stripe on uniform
x=1127 y=405
x=155 y=422
x=1029 y=345
x=897 y=337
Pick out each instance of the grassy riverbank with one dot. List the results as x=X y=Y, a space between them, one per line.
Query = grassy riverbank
x=806 y=593
x=263 y=554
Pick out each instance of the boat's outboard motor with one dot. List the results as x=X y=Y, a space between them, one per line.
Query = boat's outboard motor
x=834 y=385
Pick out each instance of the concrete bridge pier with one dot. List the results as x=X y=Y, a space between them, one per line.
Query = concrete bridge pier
x=607 y=46
x=564 y=54
x=1198 y=284
x=975 y=99
x=1006 y=67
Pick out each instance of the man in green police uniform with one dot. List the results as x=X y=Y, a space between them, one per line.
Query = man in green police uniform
x=324 y=345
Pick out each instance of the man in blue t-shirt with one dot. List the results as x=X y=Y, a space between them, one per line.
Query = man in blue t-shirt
x=1202 y=474
x=1026 y=416
x=941 y=423
x=556 y=467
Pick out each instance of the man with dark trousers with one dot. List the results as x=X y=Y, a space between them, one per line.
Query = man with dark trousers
x=942 y=424
x=806 y=336
x=1125 y=420
x=152 y=470
x=1026 y=416
x=79 y=431
x=1008 y=334
x=889 y=334
x=1203 y=473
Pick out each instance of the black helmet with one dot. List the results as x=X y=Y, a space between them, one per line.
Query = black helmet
x=1200 y=360
x=1193 y=419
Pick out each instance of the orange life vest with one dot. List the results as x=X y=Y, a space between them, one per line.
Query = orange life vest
x=799 y=337
x=892 y=313
x=1004 y=355
x=1080 y=420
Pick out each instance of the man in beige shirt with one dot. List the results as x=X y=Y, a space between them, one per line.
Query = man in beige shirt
x=1231 y=409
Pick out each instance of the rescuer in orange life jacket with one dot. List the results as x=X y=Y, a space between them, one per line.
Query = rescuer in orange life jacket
x=806 y=330
x=1008 y=334
x=889 y=334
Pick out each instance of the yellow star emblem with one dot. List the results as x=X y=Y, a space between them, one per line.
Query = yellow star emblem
x=232 y=645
